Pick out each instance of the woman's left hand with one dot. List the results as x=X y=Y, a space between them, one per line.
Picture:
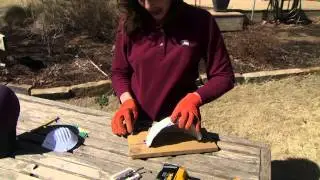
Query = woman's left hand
x=187 y=112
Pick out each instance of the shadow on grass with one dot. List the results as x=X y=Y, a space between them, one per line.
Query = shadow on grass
x=294 y=169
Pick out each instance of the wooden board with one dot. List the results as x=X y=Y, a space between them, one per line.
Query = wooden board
x=168 y=144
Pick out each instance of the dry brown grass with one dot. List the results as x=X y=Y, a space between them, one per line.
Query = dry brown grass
x=53 y=19
x=5 y=3
x=284 y=114
x=93 y=102
x=57 y=21
x=96 y=17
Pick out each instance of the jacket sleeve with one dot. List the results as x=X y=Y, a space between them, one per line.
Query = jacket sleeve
x=218 y=66
x=121 y=70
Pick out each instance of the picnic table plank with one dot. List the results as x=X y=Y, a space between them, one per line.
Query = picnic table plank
x=70 y=167
x=36 y=170
x=63 y=106
x=265 y=166
x=228 y=163
x=13 y=175
x=152 y=168
x=242 y=141
x=48 y=114
x=251 y=159
x=209 y=167
x=248 y=150
x=104 y=154
x=190 y=164
x=77 y=158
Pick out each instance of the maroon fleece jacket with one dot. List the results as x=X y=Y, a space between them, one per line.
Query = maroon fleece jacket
x=160 y=66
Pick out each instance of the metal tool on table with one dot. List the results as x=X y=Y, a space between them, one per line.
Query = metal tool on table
x=128 y=174
x=50 y=122
x=56 y=120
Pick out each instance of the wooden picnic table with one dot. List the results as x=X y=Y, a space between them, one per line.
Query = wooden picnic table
x=104 y=154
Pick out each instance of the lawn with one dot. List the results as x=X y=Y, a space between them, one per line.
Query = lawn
x=283 y=113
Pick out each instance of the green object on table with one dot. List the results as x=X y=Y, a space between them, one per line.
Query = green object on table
x=82 y=132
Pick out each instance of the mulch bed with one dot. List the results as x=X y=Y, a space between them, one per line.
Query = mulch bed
x=28 y=62
x=257 y=48
x=271 y=47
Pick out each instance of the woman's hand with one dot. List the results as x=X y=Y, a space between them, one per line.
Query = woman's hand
x=187 y=112
x=125 y=118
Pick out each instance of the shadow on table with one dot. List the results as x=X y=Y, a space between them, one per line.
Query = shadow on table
x=30 y=142
x=294 y=169
x=174 y=135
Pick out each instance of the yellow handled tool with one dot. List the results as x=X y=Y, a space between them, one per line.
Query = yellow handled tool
x=172 y=172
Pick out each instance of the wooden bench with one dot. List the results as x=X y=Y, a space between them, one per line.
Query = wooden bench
x=104 y=154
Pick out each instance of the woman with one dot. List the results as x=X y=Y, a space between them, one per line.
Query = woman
x=9 y=113
x=159 y=44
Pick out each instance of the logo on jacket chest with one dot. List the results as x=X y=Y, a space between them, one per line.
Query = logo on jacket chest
x=187 y=43
x=184 y=43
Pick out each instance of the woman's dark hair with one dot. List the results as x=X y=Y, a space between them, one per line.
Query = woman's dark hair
x=137 y=18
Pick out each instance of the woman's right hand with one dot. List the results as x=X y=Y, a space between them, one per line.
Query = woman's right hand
x=125 y=118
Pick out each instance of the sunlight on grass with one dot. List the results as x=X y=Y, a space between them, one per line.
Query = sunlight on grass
x=284 y=114
x=5 y=3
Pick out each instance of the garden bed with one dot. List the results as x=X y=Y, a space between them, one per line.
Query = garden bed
x=257 y=48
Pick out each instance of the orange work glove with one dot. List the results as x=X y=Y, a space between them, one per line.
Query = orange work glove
x=124 y=119
x=187 y=112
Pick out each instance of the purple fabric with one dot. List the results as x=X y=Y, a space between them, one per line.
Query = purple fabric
x=160 y=67
x=9 y=110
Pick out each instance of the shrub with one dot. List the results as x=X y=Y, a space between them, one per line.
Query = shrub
x=16 y=16
x=96 y=17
